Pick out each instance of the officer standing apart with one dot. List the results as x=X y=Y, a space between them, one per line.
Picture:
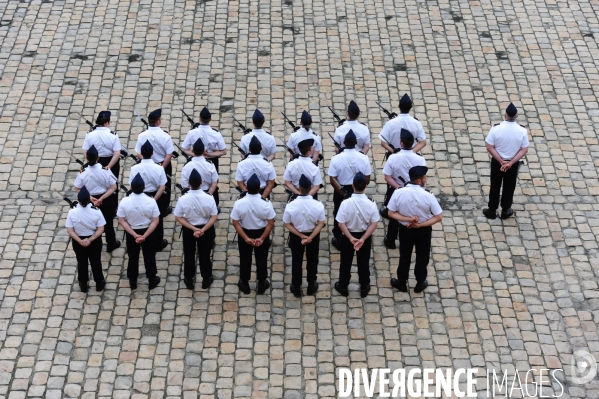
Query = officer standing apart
x=256 y=165
x=358 y=218
x=397 y=175
x=303 y=166
x=269 y=145
x=206 y=170
x=155 y=186
x=507 y=143
x=391 y=133
x=106 y=142
x=417 y=210
x=101 y=183
x=85 y=226
x=351 y=124
x=213 y=140
x=342 y=170
x=196 y=212
x=138 y=215
x=253 y=218
x=304 y=218
x=305 y=133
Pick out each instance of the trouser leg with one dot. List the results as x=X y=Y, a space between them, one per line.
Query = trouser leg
x=108 y=211
x=393 y=225
x=189 y=253
x=337 y=199
x=148 y=248
x=81 y=253
x=204 y=244
x=261 y=256
x=216 y=197
x=406 y=245
x=363 y=260
x=510 y=178
x=312 y=259
x=297 y=257
x=245 y=259
x=496 y=180
x=347 y=258
x=423 y=252
x=133 y=253
x=215 y=163
x=95 y=259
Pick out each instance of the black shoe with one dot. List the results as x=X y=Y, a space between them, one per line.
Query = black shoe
x=162 y=246
x=312 y=288
x=489 y=213
x=262 y=287
x=244 y=287
x=133 y=284
x=401 y=285
x=364 y=290
x=420 y=286
x=296 y=291
x=342 y=290
x=113 y=246
x=100 y=286
x=388 y=243
x=83 y=285
x=189 y=283
x=335 y=243
x=154 y=281
x=507 y=214
x=207 y=282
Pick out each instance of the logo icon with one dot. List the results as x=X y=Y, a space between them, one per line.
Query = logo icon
x=583 y=367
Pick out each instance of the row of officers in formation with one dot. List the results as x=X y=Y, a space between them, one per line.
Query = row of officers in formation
x=410 y=208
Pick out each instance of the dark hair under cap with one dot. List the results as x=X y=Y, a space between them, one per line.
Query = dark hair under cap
x=304 y=182
x=92 y=155
x=255 y=146
x=417 y=172
x=83 y=196
x=155 y=115
x=306 y=118
x=137 y=184
x=406 y=137
x=198 y=148
x=350 y=140
x=195 y=179
x=511 y=110
x=253 y=184
x=147 y=150
x=353 y=109
x=205 y=114
x=305 y=145
x=103 y=117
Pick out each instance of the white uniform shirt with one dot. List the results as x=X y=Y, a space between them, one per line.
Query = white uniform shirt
x=345 y=165
x=304 y=213
x=85 y=220
x=392 y=130
x=153 y=175
x=414 y=200
x=204 y=168
x=138 y=210
x=269 y=145
x=212 y=139
x=357 y=212
x=302 y=166
x=252 y=212
x=508 y=138
x=105 y=142
x=258 y=165
x=399 y=165
x=196 y=207
x=160 y=140
x=360 y=130
x=303 y=134
x=96 y=179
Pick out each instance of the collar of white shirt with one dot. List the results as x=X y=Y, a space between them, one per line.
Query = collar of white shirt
x=197 y=192
x=255 y=156
x=95 y=166
x=138 y=195
x=305 y=158
x=102 y=129
x=350 y=150
x=147 y=161
x=359 y=195
x=255 y=131
x=201 y=158
x=154 y=128
x=304 y=197
x=253 y=196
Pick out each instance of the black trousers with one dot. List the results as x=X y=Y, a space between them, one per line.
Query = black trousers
x=215 y=163
x=337 y=200
x=297 y=258
x=347 y=258
x=167 y=190
x=108 y=209
x=508 y=179
x=162 y=205
x=260 y=255
x=116 y=168
x=93 y=254
x=408 y=238
x=204 y=248
x=215 y=196
x=148 y=248
x=393 y=225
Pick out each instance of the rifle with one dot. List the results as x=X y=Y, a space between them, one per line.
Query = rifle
x=125 y=153
x=176 y=154
x=72 y=204
x=339 y=149
x=293 y=125
x=239 y=148
x=241 y=126
x=141 y=119
x=124 y=188
x=293 y=154
x=80 y=162
x=194 y=125
x=91 y=125
x=391 y=115
x=337 y=117
x=183 y=190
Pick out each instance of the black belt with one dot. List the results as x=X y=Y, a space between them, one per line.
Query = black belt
x=200 y=226
x=83 y=237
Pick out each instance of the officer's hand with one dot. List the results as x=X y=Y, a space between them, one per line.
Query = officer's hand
x=198 y=233
x=258 y=242
x=358 y=244
x=505 y=166
x=106 y=168
x=250 y=241
x=139 y=239
x=85 y=242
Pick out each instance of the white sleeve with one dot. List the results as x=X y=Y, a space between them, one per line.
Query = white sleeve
x=235 y=214
x=86 y=144
x=220 y=143
x=120 y=212
x=155 y=210
x=322 y=217
x=213 y=208
x=238 y=174
x=214 y=175
x=367 y=166
x=393 y=204
x=273 y=146
x=116 y=144
x=317 y=144
x=525 y=142
x=366 y=135
x=387 y=170
x=78 y=181
x=169 y=145
x=491 y=137
x=138 y=144
x=374 y=217
x=287 y=173
x=185 y=178
x=341 y=217
x=385 y=132
x=421 y=136
x=271 y=173
x=286 y=216
x=101 y=221
x=435 y=207
x=271 y=211
x=178 y=211
x=318 y=179
x=243 y=144
x=187 y=144
x=69 y=222
x=332 y=171
x=163 y=180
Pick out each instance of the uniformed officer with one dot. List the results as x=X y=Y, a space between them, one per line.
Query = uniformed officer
x=397 y=175
x=106 y=142
x=507 y=143
x=253 y=218
x=155 y=181
x=206 y=170
x=269 y=145
x=212 y=139
x=196 y=212
x=303 y=166
x=342 y=170
x=417 y=210
x=139 y=215
x=101 y=183
x=163 y=150
x=391 y=133
x=255 y=164
x=305 y=133
x=85 y=225
x=358 y=218
x=304 y=218
x=351 y=124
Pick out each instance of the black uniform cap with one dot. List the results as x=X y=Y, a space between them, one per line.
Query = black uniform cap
x=147 y=149
x=137 y=183
x=198 y=147
x=417 y=171
x=92 y=153
x=405 y=100
x=253 y=183
x=83 y=195
x=306 y=118
x=103 y=117
x=405 y=135
x=255 y=145
x=511 y=110
x=359 y=178
x=353 y=108
x=307 y=143
x=258 y=117
x=195 y=179
x=304 y=182
x=350 y=138
x=155 y=115
x=205 y=114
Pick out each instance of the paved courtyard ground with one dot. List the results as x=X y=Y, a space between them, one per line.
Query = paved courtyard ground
x=516 y=294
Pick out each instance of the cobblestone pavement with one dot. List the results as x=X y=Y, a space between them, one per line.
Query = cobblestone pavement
x=516 y=294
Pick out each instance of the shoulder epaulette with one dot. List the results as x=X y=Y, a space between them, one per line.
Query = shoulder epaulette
x=362 y=123
x=209 y=160
x=215 y=130
x=371 y=199
x=497 y=124
x=113 y=132
x=427 y=190
x=415 y=117
x=165 y=131
x=265 y=159
x=264 y=199
x=523 y=126
x=268 y=132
